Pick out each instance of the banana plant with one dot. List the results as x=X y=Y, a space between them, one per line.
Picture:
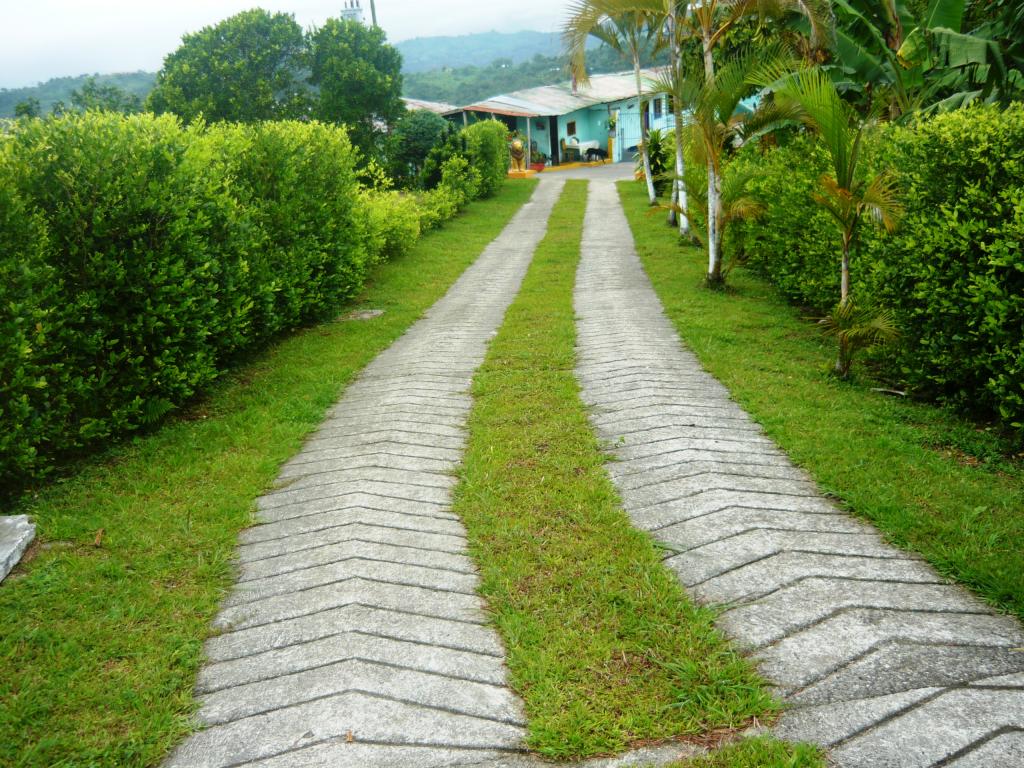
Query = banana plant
x=913 y=64
x=851 y=198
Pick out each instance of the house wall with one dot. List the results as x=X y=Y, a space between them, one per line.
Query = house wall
x=538 y=132
x=664 y=122
x=591 y=125
x=627 y=128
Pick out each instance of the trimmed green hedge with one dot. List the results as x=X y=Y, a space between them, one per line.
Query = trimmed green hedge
x=137 y=257
x=953 y=272
x=487 y=152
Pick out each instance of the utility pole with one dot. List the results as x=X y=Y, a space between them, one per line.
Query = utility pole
x=373 y=12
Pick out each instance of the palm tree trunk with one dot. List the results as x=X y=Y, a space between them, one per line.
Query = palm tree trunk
x=652 y=196
x=844 y=282
x=714 y=216
x=672 y=205
x=679 y=185
x=845 y=358
x=709 y=59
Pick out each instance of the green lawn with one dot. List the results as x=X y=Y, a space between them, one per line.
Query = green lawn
x=103 y=628
x=760 y=752
x=930 y=481
x=603 y=645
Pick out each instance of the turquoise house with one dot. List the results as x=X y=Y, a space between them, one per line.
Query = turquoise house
x=562 y=122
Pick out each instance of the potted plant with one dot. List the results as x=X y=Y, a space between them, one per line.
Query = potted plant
x=538 y=160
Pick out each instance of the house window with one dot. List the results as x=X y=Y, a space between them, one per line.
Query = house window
x=570 y=128
x=657 y=108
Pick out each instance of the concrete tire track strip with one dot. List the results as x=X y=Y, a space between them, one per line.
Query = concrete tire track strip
x=354 y=635
x=877 y=656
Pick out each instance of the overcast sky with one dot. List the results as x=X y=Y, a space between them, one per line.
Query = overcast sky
x=40 y=39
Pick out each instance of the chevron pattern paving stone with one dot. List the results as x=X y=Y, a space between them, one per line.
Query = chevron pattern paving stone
x=354 y=635
x=879 y=658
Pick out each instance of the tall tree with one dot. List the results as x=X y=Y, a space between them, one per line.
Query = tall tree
x=27 y=107
x=358 y=78
x=631 y=35
x=106 y=98
x=248 y=67
x=414 y=135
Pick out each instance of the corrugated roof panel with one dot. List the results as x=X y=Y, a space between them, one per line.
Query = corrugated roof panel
x=439 y=107
x=547 y=100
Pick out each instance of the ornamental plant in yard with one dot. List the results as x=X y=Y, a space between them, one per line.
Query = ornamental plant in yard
x=487 y=152
x=849 y=197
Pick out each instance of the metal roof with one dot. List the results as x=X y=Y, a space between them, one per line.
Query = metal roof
x=440 y=107
x=553 y=100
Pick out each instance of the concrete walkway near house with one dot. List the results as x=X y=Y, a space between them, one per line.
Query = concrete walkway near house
x=878 y=658
x=600 y=172
x=355 y=636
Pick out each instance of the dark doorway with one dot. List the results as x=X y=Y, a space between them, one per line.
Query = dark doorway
x=553 y=130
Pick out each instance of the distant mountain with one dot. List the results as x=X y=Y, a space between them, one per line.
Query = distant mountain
x=424 y=53
x=464 y=85
x=60 y=88
x=457 y=68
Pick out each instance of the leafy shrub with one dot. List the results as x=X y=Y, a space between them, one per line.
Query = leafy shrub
x=952 y=274
x=27 y=289
x=461 y=179
x=954 y=271
x=137 y=256
x=451 y=145
x=392 y=221
x=794 y=243
x=487 y=152
x=297 y=183
x=436 y=206
x=132 y=246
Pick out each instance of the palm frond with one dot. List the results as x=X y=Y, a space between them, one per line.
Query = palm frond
x=586 y=16
x=857 y=328
x=881 y=202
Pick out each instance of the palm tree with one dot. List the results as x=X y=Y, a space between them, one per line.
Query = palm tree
x=705 y=20
x=851 y=198
x=658 y=17
x=712 y=20
x=718 y=124
x=630 y=35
